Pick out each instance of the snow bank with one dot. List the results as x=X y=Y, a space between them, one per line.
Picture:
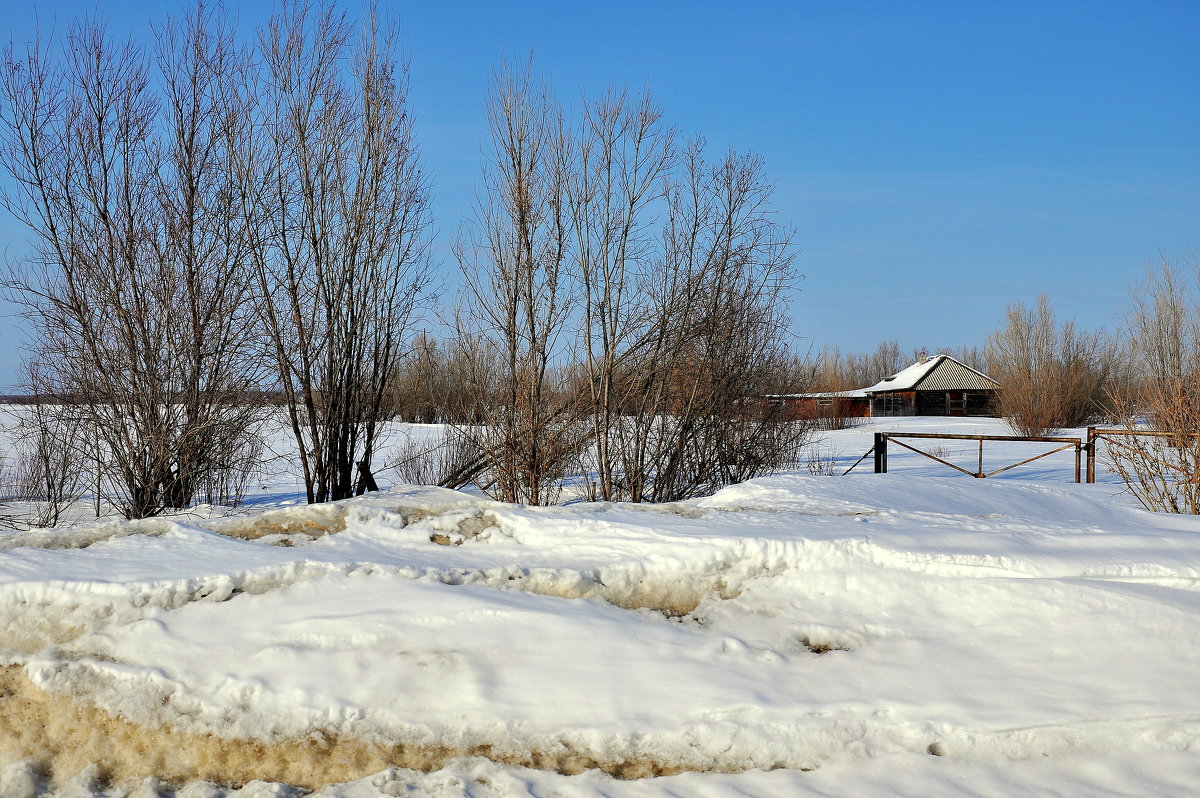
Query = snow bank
x=783 y=630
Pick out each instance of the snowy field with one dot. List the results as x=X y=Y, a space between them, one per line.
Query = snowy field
x=915 y=633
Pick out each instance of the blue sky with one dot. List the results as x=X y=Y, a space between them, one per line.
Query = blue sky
x=938 y=160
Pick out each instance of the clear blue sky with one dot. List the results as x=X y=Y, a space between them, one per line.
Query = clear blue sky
x=938 y=160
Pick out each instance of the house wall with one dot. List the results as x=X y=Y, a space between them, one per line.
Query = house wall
x=808 y=408
x=980 y=403
x=833 y=407
x=932 y=403
x=894 y=403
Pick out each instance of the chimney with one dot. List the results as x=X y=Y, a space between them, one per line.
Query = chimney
x=921 y=356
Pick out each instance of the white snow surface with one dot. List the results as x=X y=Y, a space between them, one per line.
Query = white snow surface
x=911 y=633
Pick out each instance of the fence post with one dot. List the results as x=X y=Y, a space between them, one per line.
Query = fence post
x=880 y=453
x=1091 y=456
x=980 y=473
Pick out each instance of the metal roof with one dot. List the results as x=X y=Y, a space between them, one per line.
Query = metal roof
x=939 y=373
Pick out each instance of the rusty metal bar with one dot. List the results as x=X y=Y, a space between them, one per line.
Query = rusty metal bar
x=1039 y=457
x=956 y=437
x=934 y=457
x=881 y=439
x=867 y=454
x=1146 y=433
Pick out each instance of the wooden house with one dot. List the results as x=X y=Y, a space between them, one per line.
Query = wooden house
x=937 y=386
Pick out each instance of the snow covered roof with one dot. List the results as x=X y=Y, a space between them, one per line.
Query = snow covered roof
x=938 y=373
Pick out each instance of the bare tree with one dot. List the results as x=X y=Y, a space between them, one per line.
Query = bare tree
x=1162 y=469
x=621 y=155
x=675 y=321
x=136 y=286
x=420 y=388
x=339 y=209
x=834 y=370
x=717 y=336
x=1051 y=376
x=973 y=356
x=514 y=266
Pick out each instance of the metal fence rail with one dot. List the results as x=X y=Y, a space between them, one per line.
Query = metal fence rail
x=1088 y=446
x=880 y=450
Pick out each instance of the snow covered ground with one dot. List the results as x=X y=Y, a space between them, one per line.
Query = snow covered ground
x=915 y=633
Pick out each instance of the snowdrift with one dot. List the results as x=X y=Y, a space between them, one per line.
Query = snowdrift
x=777 y=632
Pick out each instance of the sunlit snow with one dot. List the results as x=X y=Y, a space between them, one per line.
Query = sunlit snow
x=912 y=633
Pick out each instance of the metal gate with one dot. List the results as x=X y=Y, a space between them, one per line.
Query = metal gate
x=880 y=450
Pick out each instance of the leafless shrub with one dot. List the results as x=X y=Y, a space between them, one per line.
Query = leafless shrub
x=8 y=493
x=822 y=462
x=234 y=469
x=837 y=421
x=660 y=388
x=451 y=460
x=617 y=160
x=791 y=387
x=834 y=370
x=332 y=189
x=665 y=270
x=715 y=337
x=442 y=383
x=834 y=413
x=517 y=298
x=51 y=453
x=137 y=287
x=1162 y=470
x=419 y=390
x=1051 y=376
